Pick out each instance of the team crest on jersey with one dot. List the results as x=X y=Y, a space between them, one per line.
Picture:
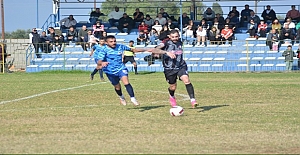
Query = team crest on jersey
x=125 y=71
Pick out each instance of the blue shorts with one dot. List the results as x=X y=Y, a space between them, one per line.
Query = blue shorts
x=96 y=60
x=115 y=78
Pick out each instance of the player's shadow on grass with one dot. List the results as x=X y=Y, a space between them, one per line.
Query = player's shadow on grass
x=146 y=108
x=207 y=108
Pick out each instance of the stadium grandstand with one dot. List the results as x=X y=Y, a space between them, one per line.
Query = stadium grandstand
x=213 y=41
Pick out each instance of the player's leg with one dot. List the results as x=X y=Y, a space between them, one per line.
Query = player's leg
x=134 y=65
x=183 y=74
x=101 y=74
x=123 y=75
x=115 y=82
x=95 y=70
x=171 y=78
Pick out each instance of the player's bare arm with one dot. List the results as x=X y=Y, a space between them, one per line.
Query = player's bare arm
x=92 y=51
x=101 y=64
x=160 y=51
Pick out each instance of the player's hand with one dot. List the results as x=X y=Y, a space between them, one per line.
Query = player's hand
x=104 y=64
x=171 y=55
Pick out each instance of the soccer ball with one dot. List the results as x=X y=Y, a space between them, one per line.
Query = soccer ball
x=176 y=111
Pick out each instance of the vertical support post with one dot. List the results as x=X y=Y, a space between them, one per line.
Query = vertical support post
x=247 y=60
x=37 y=13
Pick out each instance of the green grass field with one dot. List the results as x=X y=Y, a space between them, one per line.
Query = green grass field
x=57 y=112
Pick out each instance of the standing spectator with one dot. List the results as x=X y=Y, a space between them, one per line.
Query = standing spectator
x=209 y=15
x=254 y=17
x=114 y=17
x=125 y=22
x=214 y=36
x=162 y=20
x=298 y=56
x=138 y=16
x=276 y=25
x=163 y=13
x=262 y=29
x=272 y=39
x=268 y=14
x=149 y=21
x=142 y=38
x=293 y=14
x=66 y=23
x=71 y=35
x=98 y=29
x=82 y=32
x=94 y=16
x=45 y=40
x=226 y=34
x=252 y=27
x=201 y=36
x=289 y=55
x=244 y=15
x=236 y=13
x=185 y=20
x=36 y=40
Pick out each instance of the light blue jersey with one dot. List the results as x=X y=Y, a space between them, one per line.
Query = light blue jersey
x=113 y=57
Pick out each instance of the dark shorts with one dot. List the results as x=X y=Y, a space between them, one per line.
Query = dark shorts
x=115 y=78
x=172 y=74
x=128 y=58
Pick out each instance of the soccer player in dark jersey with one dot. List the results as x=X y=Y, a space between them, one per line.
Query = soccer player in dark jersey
x=129 y=56
x=94 y=52
x=175 y=66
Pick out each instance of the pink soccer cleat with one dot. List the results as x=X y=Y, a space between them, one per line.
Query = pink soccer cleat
x=173 y=101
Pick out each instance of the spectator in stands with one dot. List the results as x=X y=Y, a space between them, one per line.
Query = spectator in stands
x=276 y=26
x=201 y=36
x=185 y=20
x=57 y=44
x=164 y=33
x=104 y=34
x=226 y=34
x=293 y=14
x=286 y=33
x=298 y=32
x=170 y=24
x=45 y=42
x=71 y=35
x=262 y=29
x=236 y=13
x=298 y=56
x=36 y=40
x=125 y=22
x=289 y=55
x=143 y=26
x=234 y=20
x=51 y=33
x=290 y=23
x=245 y=14
x=220 y=18
x=162 y=20
x=89 y=39
x=252 y=27
x=268 y=14
x=149 y=21
x=214 y=36
x=66 y=23
x=157 y=26
x=230 y=24
x=192 y=24
x=204 y=25
x=114 y=17
x=164 y=14
x=273 y=38
x=218 y=25
x=153 y=36
x=82 y=32
x=98 y=29
x=94 y=16
x=138 y=16
x=188 y=35
x=209 y=15
x=254 y=17
x=142 y=38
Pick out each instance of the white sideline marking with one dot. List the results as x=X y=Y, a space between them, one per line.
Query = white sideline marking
x=49 y=92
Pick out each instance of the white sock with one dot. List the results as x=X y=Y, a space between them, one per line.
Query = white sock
x=192 y=99
x=132 y=98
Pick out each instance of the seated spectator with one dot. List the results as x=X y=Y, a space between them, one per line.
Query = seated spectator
x=201 y=36
x=170 y=24
x=157 y=26
x=71 y=35
x=298 y=32
x=209 y=15
x=143 y=26
x=125 y=22
x=57 y=44
x=245 y=14
x=185 y=20
x=273 y=38
x=230 y=24
x=262 y=29
x=82 y=32
x=268 y=14
x=293 y=14
x=290 y=23
x=192 y=24
x=142 y=38
x=88 y=39
x=164 y=14
x=66 y=23
x=149 y=21
x=226 y=35
x=45 y=40
x=114 y=17
x=188 y=35
x=254 y=17
x=204 y=25
x=98 y=29
x=138 y=16
x=214 y=36
x=234 y=20
x=252 y=27
x=220 y=18
x=94 y=16
x=286 y=33
x=153 y=36
x=164 y=33
x=236 y=13
x=161 y=19
x=276 y=26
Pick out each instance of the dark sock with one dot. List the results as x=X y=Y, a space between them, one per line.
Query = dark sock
x=171 y=92
x=119 y=92
x=190 y=90
x=135 y=69
x=101 y=73
x=129 y=90
x=94 y=72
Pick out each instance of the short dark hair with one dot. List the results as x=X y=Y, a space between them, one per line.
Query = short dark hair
x=102 y=38
x=131 y=41
x=110 y=37
x=174 y=31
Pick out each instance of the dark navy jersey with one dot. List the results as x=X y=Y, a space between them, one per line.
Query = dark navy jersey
x=175 y=48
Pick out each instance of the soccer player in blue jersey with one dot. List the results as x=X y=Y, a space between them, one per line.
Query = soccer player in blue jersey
x=175 y=66
x=110 y=60
x=94 y=53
